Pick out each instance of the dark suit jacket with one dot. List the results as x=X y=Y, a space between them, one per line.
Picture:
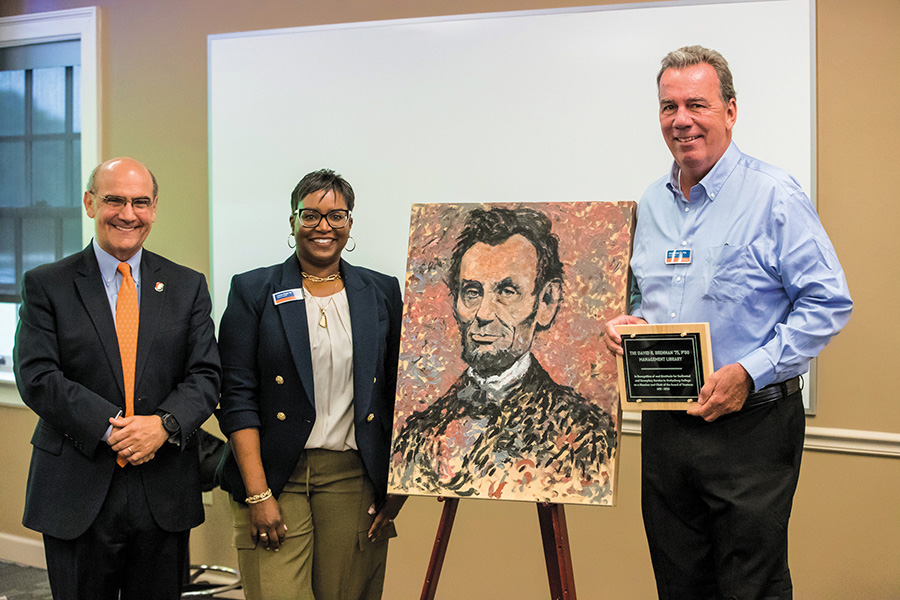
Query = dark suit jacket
x=69 y=371
x=268 y=377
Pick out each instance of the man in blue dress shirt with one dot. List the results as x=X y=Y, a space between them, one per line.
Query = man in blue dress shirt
x=718 y=480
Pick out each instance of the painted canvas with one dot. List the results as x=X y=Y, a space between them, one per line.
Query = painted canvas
x=505 y=387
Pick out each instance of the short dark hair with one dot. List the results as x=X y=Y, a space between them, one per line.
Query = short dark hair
x=496 y=225
x=688 y=56
x=323 y=179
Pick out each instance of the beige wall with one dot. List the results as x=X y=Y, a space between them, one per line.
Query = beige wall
x=845 y=531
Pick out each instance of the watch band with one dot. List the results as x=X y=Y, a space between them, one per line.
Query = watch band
x=170 y=424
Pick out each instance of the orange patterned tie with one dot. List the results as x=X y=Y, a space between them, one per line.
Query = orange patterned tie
x=127 y=332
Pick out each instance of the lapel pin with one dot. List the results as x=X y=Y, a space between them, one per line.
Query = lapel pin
x=160 y=286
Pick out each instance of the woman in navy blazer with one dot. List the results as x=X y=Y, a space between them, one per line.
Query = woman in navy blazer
x=309 y=354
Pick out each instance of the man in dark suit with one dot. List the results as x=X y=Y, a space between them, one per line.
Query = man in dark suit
x=505 y=428
x=115 y=352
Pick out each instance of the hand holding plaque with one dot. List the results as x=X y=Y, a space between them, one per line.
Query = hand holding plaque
x=663 y=366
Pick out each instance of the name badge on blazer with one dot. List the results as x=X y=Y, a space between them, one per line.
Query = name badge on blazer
x=287 y=296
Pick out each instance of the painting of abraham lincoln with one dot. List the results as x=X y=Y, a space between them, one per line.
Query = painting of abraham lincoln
x=505 y=389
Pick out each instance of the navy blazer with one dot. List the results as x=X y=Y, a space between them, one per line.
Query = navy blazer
x=268 y=376
x=69 y=371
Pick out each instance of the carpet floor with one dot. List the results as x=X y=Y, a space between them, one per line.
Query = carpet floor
x=18 y=582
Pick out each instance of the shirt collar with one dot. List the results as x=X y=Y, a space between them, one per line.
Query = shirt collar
x=714 y=180
x=109 y=264
x=497 y=385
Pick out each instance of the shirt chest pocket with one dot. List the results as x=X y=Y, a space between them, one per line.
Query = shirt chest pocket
x=727 y=273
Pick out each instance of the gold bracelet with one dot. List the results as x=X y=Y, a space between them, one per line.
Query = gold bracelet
x=257 y=498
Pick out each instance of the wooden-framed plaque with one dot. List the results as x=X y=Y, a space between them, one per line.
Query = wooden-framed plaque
x=664 y=366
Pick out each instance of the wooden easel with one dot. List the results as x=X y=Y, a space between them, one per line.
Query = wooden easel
x=554 y=535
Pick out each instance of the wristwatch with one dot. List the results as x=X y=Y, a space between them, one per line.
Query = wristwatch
x=170 y=424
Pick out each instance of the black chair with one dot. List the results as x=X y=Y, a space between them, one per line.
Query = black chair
x=211 y=450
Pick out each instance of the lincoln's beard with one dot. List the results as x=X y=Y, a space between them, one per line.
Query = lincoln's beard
x=488 y=363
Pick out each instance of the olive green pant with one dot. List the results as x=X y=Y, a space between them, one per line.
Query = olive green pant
x=326 y=554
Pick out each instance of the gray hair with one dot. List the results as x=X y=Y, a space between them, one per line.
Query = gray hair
x=688 y=56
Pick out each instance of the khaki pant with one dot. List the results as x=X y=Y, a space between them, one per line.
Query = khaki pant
x=326 y=554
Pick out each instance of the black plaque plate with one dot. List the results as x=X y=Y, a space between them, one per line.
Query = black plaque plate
x=664 y=366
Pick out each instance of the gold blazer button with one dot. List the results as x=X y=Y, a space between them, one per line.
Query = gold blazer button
x=375 y=380
x=370 y=418
x=279 y=379
x=281 y=416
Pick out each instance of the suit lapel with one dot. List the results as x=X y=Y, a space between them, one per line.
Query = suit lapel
x=89 y=283
x=296 y=330
x=364 y=323
x=151 y=303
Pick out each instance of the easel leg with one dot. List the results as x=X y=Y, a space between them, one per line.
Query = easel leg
x=555 y=537
x=440 y=548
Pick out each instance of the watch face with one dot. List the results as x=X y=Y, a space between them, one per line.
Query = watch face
x=169 y=423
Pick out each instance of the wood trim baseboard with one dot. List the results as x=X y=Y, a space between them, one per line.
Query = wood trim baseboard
x=853 y=441
x=22 y=550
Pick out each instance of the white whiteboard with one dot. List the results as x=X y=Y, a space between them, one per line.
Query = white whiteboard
x=524 y=106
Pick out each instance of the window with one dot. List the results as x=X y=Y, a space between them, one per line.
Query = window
x=40 y=158
x=49 y=140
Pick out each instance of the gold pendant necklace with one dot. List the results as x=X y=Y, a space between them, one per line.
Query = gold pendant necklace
x=317 y=279
x=323 y=320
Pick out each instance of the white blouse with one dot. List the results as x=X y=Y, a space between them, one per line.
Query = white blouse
x=331 y=348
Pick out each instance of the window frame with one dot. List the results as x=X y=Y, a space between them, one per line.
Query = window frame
x=80 y=24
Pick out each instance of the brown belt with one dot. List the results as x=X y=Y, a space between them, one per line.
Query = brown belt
x=774 y=391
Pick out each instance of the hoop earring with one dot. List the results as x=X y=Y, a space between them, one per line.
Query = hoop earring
x=354 y=245
x=291 y=237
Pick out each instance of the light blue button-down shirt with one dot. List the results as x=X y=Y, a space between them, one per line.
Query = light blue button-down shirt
x=112 y=279
x=763 y=272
